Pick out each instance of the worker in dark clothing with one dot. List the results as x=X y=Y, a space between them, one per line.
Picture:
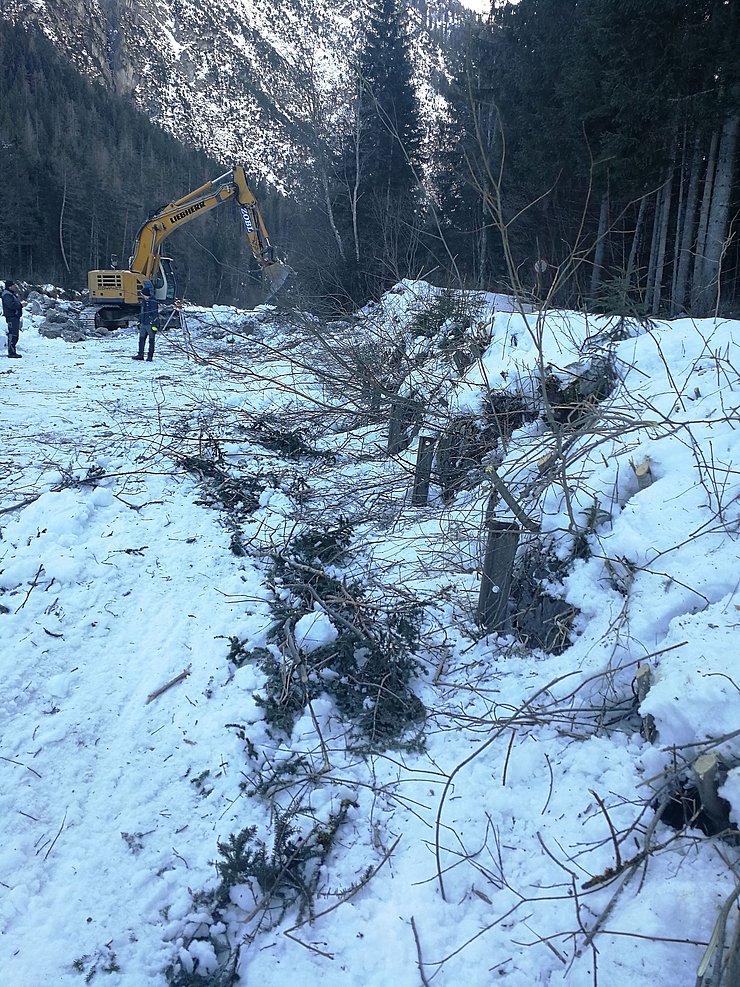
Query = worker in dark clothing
x=12 y=311
x=148 y=321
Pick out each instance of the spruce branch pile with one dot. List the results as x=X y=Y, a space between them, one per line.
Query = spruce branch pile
x=367 y=670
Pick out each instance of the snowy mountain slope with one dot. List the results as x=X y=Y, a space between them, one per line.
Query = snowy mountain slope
x=521 y=842
x=233 y=80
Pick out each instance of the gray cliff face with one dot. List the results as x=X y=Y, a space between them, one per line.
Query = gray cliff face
x=247 y=83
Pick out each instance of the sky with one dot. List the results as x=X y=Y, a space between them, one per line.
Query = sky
x=514 y=837
x=479 y=6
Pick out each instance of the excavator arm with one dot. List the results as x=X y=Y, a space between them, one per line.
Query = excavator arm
x=233 y=184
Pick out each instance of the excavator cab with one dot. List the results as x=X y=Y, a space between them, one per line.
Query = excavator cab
x=165 y=291
x=116 y=296
x=165 y=283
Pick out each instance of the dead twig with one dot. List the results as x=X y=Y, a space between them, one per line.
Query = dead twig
x=31 y=587
x=419 y=960
x=53 y=842
x=710 y=972
x=178 y=678
x=20 y=764
x=615 y=841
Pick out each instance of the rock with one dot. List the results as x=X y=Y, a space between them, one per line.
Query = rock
x=73 y=333
x=50 y=330
x=34 y=303
x=55 y=316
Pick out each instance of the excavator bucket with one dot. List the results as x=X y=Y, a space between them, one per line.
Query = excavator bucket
x=277 y=274
x=273 y=269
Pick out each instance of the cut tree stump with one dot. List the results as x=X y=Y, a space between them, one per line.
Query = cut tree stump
x=642 y=474
x=424 y=457
x=498 y=564
x=643 y=681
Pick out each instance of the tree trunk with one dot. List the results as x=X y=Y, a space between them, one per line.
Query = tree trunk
x=125 y=247
x=483 y=241
x=94 y=249
x=637 y=237
x=600 y=244
x=716 y=239
x=680 y=211
x=652 y=262
x=330 y=212
x=687 y=232
x=355 y=191
x=61 y=224
x=662 y=238
x=701 y=237
x=482 y=252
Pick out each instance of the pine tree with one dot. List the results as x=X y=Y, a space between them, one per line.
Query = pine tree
x=382 y=157
x=389 y=114
x=606 y=110
x=469 y=158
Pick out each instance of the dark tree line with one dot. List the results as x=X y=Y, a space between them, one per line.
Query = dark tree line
x=589 y=157
x=602 y=137
x=364 y=209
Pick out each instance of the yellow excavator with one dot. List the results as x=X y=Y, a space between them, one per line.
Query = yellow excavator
x=114 y=295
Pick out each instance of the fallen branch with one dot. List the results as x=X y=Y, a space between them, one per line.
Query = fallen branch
x=20 y=505
x=419 y=960
x=178 y=678
x=31 y=588
x=510 y=723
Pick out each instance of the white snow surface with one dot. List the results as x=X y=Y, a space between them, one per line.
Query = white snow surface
x=485 y=856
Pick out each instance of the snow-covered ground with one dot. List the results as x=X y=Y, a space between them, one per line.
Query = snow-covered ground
x=519 y=842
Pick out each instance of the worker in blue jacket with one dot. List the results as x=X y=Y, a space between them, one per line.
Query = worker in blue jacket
x=148 y=321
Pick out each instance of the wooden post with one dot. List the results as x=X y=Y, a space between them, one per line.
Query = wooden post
x=395 y=428
x=498 y=564
x=707 y=782
x=404 y=413
x=642 y=474
x=449 y=453
x=643 y=681
x=424 y=456
x=370 y=400
x=462 y=360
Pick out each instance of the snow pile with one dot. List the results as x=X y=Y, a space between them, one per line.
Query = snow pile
x=165 y=826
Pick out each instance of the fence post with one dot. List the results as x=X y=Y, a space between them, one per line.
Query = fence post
x=498 y=565
x=424 y=456
x=370 y=400
x=706 y=773
x=643 y=681
x=405 y=413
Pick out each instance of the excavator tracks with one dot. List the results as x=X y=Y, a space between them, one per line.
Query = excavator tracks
x=87 y=318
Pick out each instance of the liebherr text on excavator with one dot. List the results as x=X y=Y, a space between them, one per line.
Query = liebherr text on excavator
x=114 y=294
